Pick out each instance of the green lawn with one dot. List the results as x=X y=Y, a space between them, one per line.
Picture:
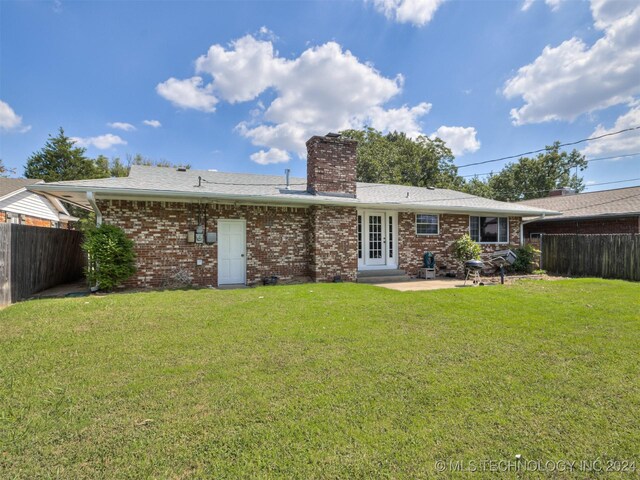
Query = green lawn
x=321 y=381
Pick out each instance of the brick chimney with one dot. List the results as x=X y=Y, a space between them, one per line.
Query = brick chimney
x=331 y=165
x=561 y=192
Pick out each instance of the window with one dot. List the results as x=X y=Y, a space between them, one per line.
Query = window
x=359 y=236
x=489 y=229
x=426 y=224
x=390 y=236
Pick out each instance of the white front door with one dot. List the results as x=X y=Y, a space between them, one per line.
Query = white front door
x=232 y=265
x=377 y=244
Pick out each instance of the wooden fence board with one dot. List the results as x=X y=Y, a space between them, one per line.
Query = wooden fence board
x=5 y=264
x=606 y=256
x=37 y=258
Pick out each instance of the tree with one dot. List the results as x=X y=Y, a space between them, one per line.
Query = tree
x=395 y=158
x=138 y=159
x=111 y=168
x=111 y=256
x=60 y=160
x=478 y=187
x=4 y=171
x=535 y=177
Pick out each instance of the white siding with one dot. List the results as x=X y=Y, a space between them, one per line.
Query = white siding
x=31 y=204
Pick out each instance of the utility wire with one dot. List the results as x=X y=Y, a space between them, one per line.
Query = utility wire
x=546 y=149
x=588 y=161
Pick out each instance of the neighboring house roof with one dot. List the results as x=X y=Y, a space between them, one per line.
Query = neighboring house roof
x=163 y=182
x=617 y=202
x=10 y=185
x=15 y=198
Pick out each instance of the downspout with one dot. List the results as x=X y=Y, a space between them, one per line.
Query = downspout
x=522 y=224
x=92 y=201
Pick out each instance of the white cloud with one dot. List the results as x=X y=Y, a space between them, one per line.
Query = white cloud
x=273 y=155
x=460 y=140
x=526 y=5
x=416 y=12
x=325 y=89
x=575 y=78
x=622 y=144
x=101 y=142
x=9 y=120
x=152 y=123
x=553 y=4
x=403 y=119
x=127 y=127
x=188 y=93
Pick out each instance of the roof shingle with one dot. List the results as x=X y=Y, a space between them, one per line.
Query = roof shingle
x=606 y=202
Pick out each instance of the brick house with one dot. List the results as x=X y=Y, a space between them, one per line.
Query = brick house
x=222 y=228
x=18 y=205
x=606 y=211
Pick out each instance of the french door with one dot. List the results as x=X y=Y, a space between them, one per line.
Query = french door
x=376 y=239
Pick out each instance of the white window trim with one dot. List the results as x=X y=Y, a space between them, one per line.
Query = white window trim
x=427 y=234
x=490 y=216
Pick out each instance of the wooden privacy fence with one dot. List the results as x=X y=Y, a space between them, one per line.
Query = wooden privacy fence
x=33 y=259
x=606 y=256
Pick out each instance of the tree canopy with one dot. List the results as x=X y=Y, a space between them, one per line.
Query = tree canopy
x=397 y=159
x=533 y=177
x=60 y=160
x=4 y=171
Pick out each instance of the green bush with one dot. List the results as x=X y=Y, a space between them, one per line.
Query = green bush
x=111 y=256
x=525 y=258
x=465 y=249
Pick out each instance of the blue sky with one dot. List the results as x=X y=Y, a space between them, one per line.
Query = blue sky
x=239 y=86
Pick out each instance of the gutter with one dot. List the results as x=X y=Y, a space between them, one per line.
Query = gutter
x=523 y=223
x=286 y=199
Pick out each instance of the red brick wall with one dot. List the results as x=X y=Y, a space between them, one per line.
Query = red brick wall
x=412 y=247
x=630 y=224
x=333 y=243
x=277 y=240
x=331 y=165
x=36 y=222
x=27 y=220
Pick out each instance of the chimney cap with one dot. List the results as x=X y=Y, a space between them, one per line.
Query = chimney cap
x=333 y=135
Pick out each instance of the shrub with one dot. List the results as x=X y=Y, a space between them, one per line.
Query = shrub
x=111 y=256
x=465 y=249
x=525 y=258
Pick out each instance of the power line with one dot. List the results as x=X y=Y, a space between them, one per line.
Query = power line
x=609 y=183
x=588 y=161
x=546 y=149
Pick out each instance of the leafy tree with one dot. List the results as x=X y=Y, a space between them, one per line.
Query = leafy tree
x=111 y=256
x=4 y=171
x=397 y=159
x=60 y=160
x=535 y=177
x=111 y=168
x=478 y=187
x=138 y=159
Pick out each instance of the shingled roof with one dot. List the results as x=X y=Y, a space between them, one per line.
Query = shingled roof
x=154 y=182
x=620 y=201
x=9 y=185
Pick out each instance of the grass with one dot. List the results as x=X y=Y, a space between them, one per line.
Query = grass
x=320 y=381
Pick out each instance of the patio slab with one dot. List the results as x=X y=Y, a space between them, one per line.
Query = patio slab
x=420 y=285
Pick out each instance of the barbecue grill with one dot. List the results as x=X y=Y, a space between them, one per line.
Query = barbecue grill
x=473 y=269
